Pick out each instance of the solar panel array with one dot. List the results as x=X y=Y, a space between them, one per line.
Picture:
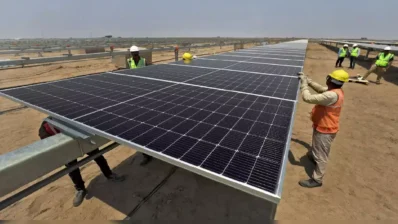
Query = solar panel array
x=227 y=117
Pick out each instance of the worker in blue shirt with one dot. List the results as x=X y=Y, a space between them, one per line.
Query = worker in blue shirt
x=354 y=53
x=341 y=55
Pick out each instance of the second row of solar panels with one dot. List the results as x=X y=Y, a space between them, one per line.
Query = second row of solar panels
x=260 y=84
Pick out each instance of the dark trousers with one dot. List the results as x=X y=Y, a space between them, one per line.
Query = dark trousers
x=339 y=61
x=77 y=177
x=353 y=61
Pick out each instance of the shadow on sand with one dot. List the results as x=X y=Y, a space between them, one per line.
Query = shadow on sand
x=183 y=195
x=304 y=160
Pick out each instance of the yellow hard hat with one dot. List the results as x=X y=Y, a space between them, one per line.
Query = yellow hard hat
x=340 y=75
x=187 y=56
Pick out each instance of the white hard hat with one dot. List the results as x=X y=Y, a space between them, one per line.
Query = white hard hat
x=388 y=48
x=355 y=45
x=194 y=57
x=345 y=45
x=134 y=48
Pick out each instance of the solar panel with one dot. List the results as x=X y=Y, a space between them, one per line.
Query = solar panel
x=271 y=61
x=243 y=56
x=231 y=126
x=270 y=55
x=210 y=64
x=270 y=69
x=167 y=72
x=288 y=52
x=267 y=85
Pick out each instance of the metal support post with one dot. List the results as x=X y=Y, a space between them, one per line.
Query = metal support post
x=367 y=54
x=273 y=211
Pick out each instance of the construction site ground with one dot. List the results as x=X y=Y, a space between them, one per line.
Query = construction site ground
x=360 y=183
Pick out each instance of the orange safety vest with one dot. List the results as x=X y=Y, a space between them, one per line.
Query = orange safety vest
x=326 y=118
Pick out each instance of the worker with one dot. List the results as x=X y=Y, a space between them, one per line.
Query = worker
x=187 y=57
x=325 y=118
x=354 y=53
x=136 y=61
x=46 y=130
x=341 y=55
x=383 y=63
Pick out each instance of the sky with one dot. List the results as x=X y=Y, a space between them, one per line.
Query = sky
x=200 y=18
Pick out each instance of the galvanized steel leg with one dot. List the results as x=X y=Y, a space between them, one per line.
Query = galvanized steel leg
x=273 y=211
x=367 y=54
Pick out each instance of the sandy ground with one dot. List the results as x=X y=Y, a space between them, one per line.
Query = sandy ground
x=360 y=184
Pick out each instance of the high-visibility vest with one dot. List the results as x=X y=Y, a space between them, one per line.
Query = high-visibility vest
x=326 y=118
x=343 y=52
x=354 y=52
x=132 y=65
x=384 y=60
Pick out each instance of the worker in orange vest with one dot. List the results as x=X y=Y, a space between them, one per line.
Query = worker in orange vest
x=325 y=117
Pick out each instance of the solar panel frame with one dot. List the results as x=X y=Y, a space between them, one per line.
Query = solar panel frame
x=273 y=197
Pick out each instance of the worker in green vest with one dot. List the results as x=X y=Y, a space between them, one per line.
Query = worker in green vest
x=354 y=53
x=341 y=55
x=135 y=61
x=383 y=63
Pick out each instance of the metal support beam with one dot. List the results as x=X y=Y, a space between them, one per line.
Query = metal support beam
x=24 y=193
x=28 y=163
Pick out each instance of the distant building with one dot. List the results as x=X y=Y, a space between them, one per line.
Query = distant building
x=364 y=38
x=108 y=36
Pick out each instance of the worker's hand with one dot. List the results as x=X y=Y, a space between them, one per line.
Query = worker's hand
x=302 y=76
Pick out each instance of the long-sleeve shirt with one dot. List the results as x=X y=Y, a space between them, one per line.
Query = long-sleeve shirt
x=324 y=97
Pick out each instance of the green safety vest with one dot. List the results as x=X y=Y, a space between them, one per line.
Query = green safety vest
x=132 y=65
x=354 y=52
x=384 y=59
x=343 y=53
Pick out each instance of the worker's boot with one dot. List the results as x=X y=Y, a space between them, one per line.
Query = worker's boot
x=116 y=178
x=311 y=183
x=79 y=197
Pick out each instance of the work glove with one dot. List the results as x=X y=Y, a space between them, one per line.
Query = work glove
x=302 y=76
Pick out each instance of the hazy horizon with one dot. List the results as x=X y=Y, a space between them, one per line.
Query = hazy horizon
x=205 y=18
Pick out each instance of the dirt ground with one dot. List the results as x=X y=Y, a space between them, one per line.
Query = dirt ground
x=360 y=182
